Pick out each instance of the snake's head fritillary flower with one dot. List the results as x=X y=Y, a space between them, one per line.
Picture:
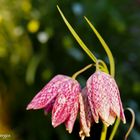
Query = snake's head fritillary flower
x=61 y=96
x=86 y=118
x=104 y=98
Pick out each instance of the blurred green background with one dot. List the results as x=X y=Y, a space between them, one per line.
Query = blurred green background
x=35 y=45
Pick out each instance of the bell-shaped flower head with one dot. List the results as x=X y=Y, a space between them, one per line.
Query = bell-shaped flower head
x=61 y=96
x=104 y=98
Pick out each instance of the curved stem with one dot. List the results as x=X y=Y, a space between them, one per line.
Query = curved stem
x=87 y=67
x=104 y=65
x=78 y=39
x=104 y=68
x=114 y=129
x=132 y=123
x=81 y=71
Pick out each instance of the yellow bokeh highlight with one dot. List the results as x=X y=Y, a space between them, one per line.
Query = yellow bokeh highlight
x=26 y=6
x=33 y=26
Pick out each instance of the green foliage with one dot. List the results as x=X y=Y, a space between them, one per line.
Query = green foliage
x=35 y=44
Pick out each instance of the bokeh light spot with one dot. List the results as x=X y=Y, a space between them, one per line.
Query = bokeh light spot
x=33 y=26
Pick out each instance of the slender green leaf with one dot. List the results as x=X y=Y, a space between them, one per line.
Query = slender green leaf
x=81 y=43
x=105 y=46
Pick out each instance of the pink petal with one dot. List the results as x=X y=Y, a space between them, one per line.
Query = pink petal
x=64 y=103
x=48 y=93
x=87 y=108
x=60 y=110
x=49 y=106
x=122 y=116
x=84 y=122
x=100 y=95
x=104 y=96
x=114 y=96
x=72 y=117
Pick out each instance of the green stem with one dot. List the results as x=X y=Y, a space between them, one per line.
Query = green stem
x=81 y=71
x=103 y=66
x=114 y=129
x=78 y=39
x=104 y=132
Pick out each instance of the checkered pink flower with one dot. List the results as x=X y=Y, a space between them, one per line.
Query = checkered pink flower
x=104 y=98
x=61 y=95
